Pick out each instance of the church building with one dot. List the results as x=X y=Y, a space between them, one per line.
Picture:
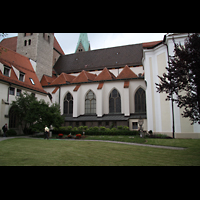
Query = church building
x=106 y=87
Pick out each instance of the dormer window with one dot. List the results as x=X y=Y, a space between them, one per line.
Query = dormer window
x=32 y=81
x=21 y=76
x=6 y=71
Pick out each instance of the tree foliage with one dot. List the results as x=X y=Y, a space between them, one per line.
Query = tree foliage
x=34 y=114
x=183 y=77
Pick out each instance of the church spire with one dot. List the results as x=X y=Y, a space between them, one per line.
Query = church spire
x=83 y=43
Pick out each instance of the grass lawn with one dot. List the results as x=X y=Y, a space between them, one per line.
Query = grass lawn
x=30 y=152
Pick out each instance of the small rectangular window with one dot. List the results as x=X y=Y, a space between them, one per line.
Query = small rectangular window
x=6 y=71
x=21 y=76
x=12 y=91
x=134 y=125
x=18 y=92
x=32 y=81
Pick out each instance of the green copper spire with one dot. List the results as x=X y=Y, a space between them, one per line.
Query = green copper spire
x=83 y=43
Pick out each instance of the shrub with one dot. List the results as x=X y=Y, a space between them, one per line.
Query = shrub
x=75 y=129
x=119 y=127
x=80 y=128
x=85 y=128
x=113 y=129
x=69 y=128
x=126 y=128
x=11 y=132
x=102 y=128
x=95 y=128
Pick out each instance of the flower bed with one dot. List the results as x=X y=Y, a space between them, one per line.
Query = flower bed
x=60 y=135
x=78 y=136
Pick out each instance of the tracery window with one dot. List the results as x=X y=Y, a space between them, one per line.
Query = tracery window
x=68 y=104
x=90 y=103
x=140 y=101
x=114 y=102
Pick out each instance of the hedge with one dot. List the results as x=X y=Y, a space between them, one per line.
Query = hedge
x=94 y=131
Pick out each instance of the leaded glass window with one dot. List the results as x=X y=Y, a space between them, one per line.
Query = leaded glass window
x=140 y=101
x=68 y=104
x=114 y=102
x=90 y=103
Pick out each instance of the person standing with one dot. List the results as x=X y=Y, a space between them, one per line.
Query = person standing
x=5 y=128
x=46 y=132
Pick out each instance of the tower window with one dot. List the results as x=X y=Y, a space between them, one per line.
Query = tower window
x=29 y=42
x=48 y=38
x=25 y=42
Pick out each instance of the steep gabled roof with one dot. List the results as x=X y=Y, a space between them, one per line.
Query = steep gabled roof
x=19 y=63
x=63 y=79
x=127 y=73
x=105 y=75
x=46 y=80
x=11 y=43
x=84 y=77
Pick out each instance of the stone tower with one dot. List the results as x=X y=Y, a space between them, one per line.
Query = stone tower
x=83 y=43
x=39 y=48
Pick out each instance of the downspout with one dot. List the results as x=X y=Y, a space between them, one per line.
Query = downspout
x=59 y=96
x=173 y=128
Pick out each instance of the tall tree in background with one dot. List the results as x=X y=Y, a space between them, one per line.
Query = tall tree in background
x=183 y=77
x=34 y=115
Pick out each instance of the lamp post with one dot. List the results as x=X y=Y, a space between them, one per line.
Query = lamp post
x=140 y=122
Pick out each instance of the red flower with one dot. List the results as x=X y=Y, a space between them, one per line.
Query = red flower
x=60 y=134
x=78 y=135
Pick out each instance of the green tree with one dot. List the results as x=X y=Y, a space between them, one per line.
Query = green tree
x=183 y=78
x=34 y=114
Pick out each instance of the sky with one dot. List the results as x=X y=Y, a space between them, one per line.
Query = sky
x=68 y=41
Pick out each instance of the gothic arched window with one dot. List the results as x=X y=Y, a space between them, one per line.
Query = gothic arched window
x=114 y=102
x=140 y=101
x=68 y=104
x=90 y=103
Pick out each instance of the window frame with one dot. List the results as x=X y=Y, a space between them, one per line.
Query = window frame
x=114 y=102
x=90 y=106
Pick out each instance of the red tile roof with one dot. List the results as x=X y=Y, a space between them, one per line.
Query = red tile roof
x=55 y=90
x=126 y=84
x=11 y=43
x=77 y=87
x=62 y=79
x=126 y=73
x=84 y=77
x=105 y=75
x=100 y=86
x=150 y=44
x=46 y=80
x=22 y=64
